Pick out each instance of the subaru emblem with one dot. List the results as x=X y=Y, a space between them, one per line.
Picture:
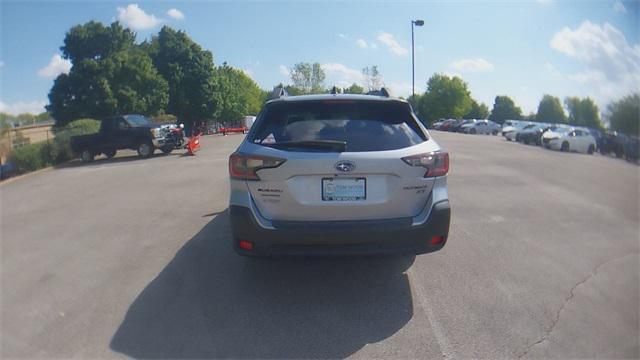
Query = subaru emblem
x=345 y=166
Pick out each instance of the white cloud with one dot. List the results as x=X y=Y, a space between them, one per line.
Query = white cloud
x=32 y=107
x=472 y=65
x=392 y=44
x=342 y=35
x=618 y=7
x=56 y=66
x=175 y=14
x=362 y=43
x=341 y=75
x=611 y=66
x=136 y=19
x=284 y=70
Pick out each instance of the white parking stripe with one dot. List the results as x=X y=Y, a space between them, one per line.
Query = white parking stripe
x=420 y=295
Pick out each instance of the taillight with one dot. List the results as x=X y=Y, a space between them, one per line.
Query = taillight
x=436 y=163
x=245 y=166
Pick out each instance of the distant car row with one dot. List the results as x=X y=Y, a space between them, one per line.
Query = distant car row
x=469 y=126
x=570 y=138
x=552 y=136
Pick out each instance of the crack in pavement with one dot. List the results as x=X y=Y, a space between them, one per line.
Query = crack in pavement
x=547 y=333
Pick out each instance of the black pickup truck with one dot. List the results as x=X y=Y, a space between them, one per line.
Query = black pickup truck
x=134 y=132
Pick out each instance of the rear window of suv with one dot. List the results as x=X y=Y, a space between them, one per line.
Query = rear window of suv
x=360 y=125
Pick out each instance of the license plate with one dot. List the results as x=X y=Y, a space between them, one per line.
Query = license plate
x=344 y=189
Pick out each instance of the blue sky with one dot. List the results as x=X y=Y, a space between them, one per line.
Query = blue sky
x=523 y=49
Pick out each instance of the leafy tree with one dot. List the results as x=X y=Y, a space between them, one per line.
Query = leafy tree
x=478 y=111
x=242 y=96
x=354 y=89
x=372 y=78
x=550 y=110
x=624 y=115
x=446 y=97
x=504 y=108
x=308 y=77
x=414 y=100
x=294 y=91
x=94 y=41
x=125 y=82
x=109 y=75
x=190 y=74
x=583 y=112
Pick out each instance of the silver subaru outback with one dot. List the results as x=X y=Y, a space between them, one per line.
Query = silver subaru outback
x=338 y=175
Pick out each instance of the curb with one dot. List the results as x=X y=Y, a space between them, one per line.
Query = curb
x=16 y=178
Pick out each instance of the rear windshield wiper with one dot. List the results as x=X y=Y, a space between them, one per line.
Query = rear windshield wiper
x=333 y=145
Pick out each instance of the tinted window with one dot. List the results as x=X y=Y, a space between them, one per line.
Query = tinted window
x=362 y=125
x=138 y=120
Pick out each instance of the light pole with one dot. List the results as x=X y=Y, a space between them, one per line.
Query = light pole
x=413 y=57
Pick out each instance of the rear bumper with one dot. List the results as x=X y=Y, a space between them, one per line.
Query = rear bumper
x=340 y=238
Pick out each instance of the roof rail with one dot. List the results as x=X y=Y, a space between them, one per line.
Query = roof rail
x=382 y=92
x=335 y=90
x=278 y=92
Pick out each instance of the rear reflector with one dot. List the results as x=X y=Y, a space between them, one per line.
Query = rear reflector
x=245 y=245
x=436 y=240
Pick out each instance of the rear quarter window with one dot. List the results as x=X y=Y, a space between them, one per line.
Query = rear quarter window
x=362 y=125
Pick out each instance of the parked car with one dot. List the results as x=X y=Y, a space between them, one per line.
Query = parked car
x=436 y=125
x=447 y=124
x=512 y=135
x=632 y=148
x=613 y=142
x=134 y=132
x=579 y=140
x=458 y=126
x=338 y=175
x=7 y=170
x=481 y=127
x=531 y=134
x=511 y=127
x=236 y=129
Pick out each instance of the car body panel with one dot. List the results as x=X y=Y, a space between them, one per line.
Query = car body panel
x=292 y=192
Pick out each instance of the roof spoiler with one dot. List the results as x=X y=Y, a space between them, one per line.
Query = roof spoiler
x=382 y=92
x=278 y=92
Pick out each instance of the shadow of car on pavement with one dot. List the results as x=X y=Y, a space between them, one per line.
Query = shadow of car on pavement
x=209 y=302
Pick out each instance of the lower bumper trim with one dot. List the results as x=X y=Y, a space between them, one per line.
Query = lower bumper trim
x=344 y=239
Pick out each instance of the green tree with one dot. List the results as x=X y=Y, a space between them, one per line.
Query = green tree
x=109 y=75
x=308 y=77
x=583 y=112
x=354 y=89
x=550 y=110
x=94 y=41
x=125 y=82
x=478 y=111
x=242 y=96
x=624 y=115
x=446 y=97
x=415 y=100
x=190 y=73
x=504 y=108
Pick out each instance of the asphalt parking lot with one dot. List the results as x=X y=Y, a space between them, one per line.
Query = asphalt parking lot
x=132 y=258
